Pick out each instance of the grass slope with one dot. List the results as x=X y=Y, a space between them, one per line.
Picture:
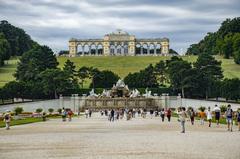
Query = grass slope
x=120 y=65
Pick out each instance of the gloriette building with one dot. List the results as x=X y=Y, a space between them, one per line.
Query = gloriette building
x=119 y=43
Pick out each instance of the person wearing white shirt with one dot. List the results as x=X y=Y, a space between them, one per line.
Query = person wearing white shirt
x=209 y=116
x=217 y=112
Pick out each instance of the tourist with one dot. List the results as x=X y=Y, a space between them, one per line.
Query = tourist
x=182 y=118
x=139 y=112
x=7 y=119
x=192 y=115
x=202 y=116
x=229 y=117
x=112 y=113
x=133 y=112
x=169 y=114
x=217 y=112
x=101 y=112
x=238 y=118
x=106 y=112
x=209 y=116
x=86 y=113
x=162 y=114
x=151 y=113
x=144 y=113
x=44 y=116
x=64 y=114
x=90 y=113
x=70 y=114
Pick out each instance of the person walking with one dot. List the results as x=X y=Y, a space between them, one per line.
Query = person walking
x=202 y=116
x=192 y=115
x=64 y=114
x=182 y=118
x=162 y=114
x=112 y=115
x=229 y=117
x=87 y=112
x=90 y=113
x=209 y=116
x=238 y=118
x=217 y=112
x=7 y=119
x=169 y=114
x=70 y=114
x=151 y=113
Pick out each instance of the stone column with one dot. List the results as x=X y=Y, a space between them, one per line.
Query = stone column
x=122 y=50
x=115 y=49
x=89 y=51
x=141 y=50
x=96 y=52
x=155 y=49
x=148 y=50
x=82 y=50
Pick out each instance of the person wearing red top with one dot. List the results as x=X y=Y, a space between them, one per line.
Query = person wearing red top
x=169 y=114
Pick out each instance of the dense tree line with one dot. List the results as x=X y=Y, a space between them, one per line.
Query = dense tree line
x=223 y=42
x=13 y=41
x=201 y=79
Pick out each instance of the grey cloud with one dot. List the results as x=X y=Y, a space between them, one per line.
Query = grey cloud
x=53 y=22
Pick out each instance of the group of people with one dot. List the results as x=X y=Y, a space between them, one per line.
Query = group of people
x=67 y=113
x=208 y=115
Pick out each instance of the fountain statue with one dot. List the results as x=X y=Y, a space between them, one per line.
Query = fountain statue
x=120 y=83
x=135 y=93
x=147 y=93
x=92 y=93
x=106 y=93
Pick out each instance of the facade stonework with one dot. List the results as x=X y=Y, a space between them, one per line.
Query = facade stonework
x=119 y=43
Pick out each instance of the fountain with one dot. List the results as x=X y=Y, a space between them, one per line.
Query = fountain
x=120 y=96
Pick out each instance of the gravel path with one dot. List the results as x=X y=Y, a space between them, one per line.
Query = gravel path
x=135 y=139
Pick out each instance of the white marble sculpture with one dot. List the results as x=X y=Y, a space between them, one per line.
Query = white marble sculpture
x=105 y=93
x=92 y=93
x=134 y=93
x=120 y=83
x=147 y=93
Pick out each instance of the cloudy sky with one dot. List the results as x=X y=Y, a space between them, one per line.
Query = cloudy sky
x=54 y=22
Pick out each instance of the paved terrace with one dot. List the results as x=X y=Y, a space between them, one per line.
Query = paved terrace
x=135 y=139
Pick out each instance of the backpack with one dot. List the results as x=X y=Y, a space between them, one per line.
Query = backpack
x=6 y=117
x=238 y=116
x=229 y=113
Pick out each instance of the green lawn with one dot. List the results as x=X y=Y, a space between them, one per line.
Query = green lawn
x=120 y=65
x=21 y=121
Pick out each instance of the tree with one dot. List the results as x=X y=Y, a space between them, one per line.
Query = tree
x=14 y=89
x=18 y=40
x=50 y=110
x=82 y=74
x=142 y=79
x=4 y=49
x=39 y=110
x=35 y=61
x=210 y=71
x=178 y=71
x=18 y=110
x=231 y=89
x=69 y=68
x=104 y=79
x=54 y=82
x=160 y=72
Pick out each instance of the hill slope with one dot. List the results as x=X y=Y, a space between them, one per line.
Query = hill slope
x=120 y=65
